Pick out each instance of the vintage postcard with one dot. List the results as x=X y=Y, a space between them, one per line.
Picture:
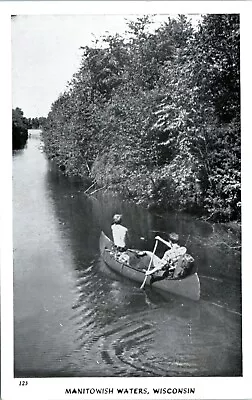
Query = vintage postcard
x=125 y=268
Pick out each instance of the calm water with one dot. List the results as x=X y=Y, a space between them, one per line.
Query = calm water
x=74 y=317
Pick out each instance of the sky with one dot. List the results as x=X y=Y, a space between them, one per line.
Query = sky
x=46 y=53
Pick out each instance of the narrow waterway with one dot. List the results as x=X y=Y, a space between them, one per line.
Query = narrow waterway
x=75 y=317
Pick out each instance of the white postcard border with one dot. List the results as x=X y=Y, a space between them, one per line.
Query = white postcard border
x=55 y=388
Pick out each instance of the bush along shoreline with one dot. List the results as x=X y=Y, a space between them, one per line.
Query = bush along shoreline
x=155 y=116
x=19 y=129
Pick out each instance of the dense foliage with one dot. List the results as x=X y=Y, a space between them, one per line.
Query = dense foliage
x=36 y=122
x=156 y=115
x=20 y=126
x=19 y=129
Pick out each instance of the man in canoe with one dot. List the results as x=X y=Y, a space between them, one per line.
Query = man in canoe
x=171 y=260
x=120 y=233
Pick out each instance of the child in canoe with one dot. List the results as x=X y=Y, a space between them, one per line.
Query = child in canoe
x=171 y=259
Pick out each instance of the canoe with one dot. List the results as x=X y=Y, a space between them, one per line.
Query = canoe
x=134 y=265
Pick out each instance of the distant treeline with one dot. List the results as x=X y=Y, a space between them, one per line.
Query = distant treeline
x=19 y=129
x=20 y=126
x=155 y=116
x=36 y=123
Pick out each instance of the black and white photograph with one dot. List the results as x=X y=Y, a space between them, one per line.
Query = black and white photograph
x=126 y=207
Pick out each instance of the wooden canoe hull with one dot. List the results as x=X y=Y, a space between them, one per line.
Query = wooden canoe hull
x=187 y=287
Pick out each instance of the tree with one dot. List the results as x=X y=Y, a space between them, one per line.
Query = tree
x=201 y=116
x=156 y=115
x=19 y=129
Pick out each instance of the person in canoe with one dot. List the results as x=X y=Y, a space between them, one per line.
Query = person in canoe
x=119 y=233
x=171 y=262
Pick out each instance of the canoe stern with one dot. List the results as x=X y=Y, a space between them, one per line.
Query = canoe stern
x=187 y=287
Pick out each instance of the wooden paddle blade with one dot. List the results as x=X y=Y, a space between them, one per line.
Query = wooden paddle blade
x=145 y=278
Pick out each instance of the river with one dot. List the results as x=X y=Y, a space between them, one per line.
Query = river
x=74 y=317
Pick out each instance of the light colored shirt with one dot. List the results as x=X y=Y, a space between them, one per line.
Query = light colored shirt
x=119 y=233
x=173 y=254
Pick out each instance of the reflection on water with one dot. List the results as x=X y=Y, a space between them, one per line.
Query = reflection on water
x=75 y=317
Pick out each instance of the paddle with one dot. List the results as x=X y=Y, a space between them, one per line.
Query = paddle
x=168 y=244
x=187 y=240
x=145 y=278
